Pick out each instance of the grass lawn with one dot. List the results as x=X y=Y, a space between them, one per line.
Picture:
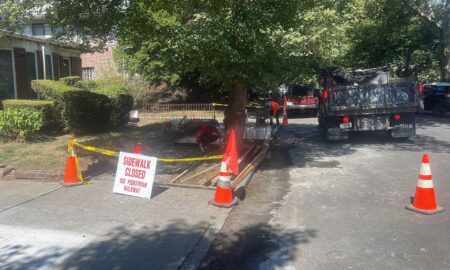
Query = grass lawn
x=50 y=153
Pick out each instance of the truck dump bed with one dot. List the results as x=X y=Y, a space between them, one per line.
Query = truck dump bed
x=372 y=99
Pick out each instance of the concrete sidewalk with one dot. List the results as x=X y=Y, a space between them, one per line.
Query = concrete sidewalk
x=43 y=226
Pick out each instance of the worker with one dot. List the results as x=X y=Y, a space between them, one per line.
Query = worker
x=272 y=108
x=206 y=135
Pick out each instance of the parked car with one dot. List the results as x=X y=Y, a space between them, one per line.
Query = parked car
x=436 y=97
x=301 y=99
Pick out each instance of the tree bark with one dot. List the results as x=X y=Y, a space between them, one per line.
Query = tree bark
x=235 y=113
x=444 y=59
x=445 y=43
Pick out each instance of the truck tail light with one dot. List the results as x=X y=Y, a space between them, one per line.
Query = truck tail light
x=397 y=116
x=346 y=119
x=420 y=88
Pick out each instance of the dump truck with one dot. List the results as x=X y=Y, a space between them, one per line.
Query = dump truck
x=365 y=100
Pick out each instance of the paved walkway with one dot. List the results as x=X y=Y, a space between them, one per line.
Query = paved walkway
x=43 y=226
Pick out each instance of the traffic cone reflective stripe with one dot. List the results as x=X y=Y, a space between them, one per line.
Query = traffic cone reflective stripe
x=425 y=199
x=71 y=173
x=224 y=193
x=285 y=117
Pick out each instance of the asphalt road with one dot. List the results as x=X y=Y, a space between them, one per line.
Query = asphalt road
x=340 y=205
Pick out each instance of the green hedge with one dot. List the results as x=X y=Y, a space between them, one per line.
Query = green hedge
x=19 y=123
x=111 y=88
x=85 y=111
x=87 y=85
x=51 y=90
x=70 y=81
x=51 y=115
x=121 y=105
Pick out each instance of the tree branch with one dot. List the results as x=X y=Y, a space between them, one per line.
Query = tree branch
x=428 y=17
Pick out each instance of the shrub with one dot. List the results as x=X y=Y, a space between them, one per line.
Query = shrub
x=121 y=105
x=111 y=87
x=70 y=81
x=51 y=114
x=51 y=90
x=86 y=111
x=121 y=102
x=19 y=123
x=86 y=85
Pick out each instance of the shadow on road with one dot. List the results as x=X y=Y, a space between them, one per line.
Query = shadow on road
x=316 y=152
x=156 y=248
x=256 y=246
x=16 y=257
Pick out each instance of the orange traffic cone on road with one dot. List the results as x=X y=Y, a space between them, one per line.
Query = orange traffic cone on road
x=224 y=193
x=137 y=149
x=425 y=199
x=285 y=116
x=71 y=177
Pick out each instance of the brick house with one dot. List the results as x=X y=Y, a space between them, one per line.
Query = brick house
x=99 y=65
x=22 y=60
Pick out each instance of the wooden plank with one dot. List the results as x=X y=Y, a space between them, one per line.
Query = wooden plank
x=248 y=169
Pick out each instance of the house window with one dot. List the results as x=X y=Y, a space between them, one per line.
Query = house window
x=58 y=29
x=38 y=30
x=88 y=74
x=6 y=75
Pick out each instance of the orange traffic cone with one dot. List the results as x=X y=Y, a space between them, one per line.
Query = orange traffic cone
x=71 y=174
x=425 y=200
x=285 y=116
x=137 y=149
x=224 y=193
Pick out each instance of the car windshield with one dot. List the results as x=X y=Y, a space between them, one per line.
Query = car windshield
x=298 y=91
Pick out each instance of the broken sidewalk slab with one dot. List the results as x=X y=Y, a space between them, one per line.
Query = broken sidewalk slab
x=5 y=170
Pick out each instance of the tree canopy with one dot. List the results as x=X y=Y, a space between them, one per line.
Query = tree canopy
x=260 y=44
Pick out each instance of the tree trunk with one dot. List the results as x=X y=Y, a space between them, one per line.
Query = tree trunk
x=445 y=64
x=445 y=43
x=235 y=113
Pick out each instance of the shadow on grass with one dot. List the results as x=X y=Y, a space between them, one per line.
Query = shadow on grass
x=162 y=248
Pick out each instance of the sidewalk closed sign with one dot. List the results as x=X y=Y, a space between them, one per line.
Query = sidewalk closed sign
x=135 y=174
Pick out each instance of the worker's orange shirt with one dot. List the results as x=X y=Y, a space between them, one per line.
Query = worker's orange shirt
x=275 y=107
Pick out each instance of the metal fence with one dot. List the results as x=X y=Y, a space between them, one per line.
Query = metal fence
x=177 y=110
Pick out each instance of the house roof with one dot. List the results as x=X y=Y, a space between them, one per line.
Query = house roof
x=4 y=33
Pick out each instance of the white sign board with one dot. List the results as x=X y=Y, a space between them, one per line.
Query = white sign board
x=135 y=175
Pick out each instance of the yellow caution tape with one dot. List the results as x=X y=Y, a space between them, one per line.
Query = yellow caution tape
x=116 y=154
x=226 y=105
x=80 y=176
x=97 y=150
x=190 y=159
x=218 y=104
